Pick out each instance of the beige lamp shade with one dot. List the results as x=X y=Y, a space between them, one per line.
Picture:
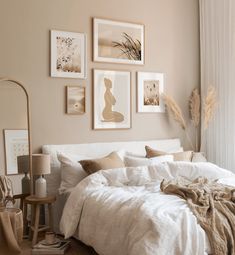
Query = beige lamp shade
x=41 y=164
x=23 y=164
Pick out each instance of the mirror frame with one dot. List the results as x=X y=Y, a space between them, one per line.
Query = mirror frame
x=6 y=79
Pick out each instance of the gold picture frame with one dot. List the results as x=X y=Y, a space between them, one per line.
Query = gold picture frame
x=75 y=100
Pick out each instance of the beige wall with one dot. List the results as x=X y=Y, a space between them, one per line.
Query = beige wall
x=171 y=46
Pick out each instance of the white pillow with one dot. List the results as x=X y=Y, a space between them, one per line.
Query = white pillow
x=71 y=171
x=130 y=161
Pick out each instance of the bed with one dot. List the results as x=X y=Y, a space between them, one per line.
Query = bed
x=94 y=150
x=122 y=211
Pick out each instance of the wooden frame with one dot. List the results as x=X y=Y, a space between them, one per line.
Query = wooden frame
x=138 y=55
x=6 y=79
x=78 y=106
x=124 y=120
x=150 y=86
x=74 y=52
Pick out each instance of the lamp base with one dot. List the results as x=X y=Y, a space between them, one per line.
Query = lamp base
x=25 y=183
x=41 y=187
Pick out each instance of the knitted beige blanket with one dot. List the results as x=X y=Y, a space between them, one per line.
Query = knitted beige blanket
x=5 y=189
x=214 y=206
x=11 y=232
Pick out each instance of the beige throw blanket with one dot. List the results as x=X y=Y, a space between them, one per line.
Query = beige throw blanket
x=6 y=192
x=11 y=232
x=213 y=205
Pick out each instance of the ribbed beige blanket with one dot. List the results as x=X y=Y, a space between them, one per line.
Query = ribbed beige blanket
x=213 y=205
x=11 y=231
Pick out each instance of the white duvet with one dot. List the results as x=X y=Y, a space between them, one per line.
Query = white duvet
x=122 y=211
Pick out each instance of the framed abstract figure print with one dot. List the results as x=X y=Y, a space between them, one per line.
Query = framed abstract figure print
x=112 y=99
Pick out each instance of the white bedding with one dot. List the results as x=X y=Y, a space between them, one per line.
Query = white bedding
x=122 y=211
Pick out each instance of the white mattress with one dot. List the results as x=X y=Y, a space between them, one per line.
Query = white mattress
x=94 y=150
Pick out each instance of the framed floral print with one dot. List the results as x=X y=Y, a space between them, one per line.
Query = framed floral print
x=112 y=99
x=149 y=88
x=68 y=54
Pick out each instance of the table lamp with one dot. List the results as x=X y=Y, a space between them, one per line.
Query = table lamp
x=41 y=166
x=23 y=168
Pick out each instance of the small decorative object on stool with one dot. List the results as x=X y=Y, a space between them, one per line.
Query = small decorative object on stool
x=41 y=166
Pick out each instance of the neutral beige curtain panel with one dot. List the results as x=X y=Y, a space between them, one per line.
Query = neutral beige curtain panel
x=217 y=33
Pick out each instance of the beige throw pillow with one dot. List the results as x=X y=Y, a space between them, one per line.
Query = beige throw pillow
x=178 y=156
x=110 y=161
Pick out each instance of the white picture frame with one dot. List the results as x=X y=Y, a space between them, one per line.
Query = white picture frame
x=16 y=144
x=150 y=86
x=111 y=99
x=68 y=54
x=109 y=34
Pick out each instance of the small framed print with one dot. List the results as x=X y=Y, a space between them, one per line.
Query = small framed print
x=150 y=87
x=118 y=42
x=16 y=144
x=112 y=99
x=75 y=99
x=68 y=54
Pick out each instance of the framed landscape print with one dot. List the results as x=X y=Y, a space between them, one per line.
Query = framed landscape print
x=75 y=100
x=118 y=42
x=16 y=144
x=149 y=87
x=68 y=54
x=112 y=99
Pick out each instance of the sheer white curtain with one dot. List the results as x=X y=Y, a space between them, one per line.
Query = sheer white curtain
x=217 y=34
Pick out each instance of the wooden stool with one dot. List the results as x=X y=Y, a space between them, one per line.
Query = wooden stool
x=35 y=203
x=22 y=198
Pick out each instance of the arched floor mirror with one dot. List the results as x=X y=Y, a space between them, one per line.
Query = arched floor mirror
x=15 y=131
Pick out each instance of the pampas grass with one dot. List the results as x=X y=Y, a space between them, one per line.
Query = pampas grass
x=177 y=114
x=206 y=115
x=175 y=110
x=195 y=114
x=194 y=107
x=130 y=47
x=209 y=106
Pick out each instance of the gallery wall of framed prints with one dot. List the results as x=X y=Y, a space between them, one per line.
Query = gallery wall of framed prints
x=114 y=42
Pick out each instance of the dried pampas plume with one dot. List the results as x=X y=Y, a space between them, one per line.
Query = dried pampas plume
x=175 y=110
x=209 y=106
x=195 y=114
x=194 y=106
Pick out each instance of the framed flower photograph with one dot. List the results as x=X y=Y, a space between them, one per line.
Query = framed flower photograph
x=68 y=54
x=118 y=42
x=150 y=87
x=112 y=99
x=75 y=100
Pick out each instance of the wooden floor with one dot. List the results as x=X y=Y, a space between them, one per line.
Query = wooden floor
x=76 y=248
